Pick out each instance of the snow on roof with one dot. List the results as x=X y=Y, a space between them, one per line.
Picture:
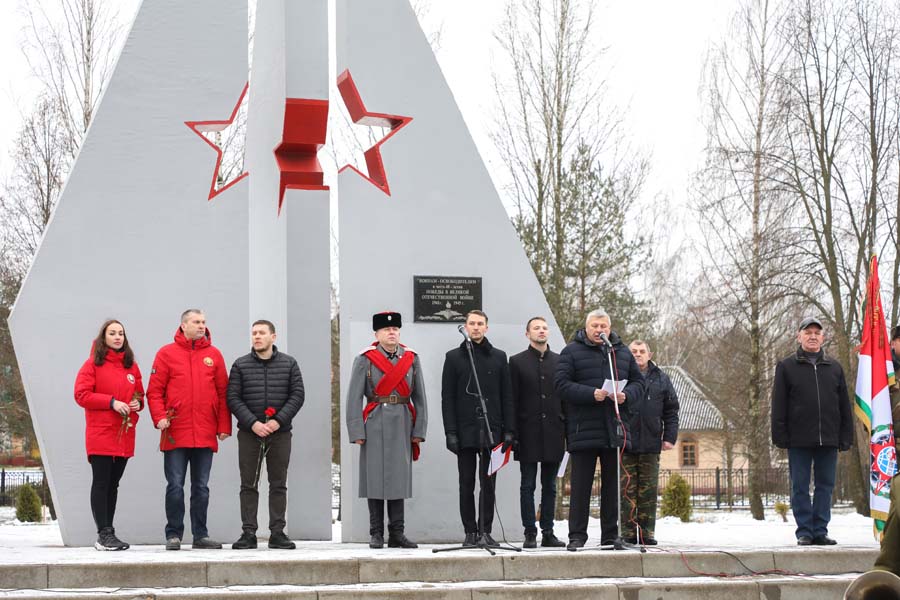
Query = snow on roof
x=696 y=412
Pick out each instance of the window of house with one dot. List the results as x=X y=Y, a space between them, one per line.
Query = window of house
x=689 y=453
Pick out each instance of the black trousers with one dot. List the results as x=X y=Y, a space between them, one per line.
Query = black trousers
x=376 y=516
x=107 y=471
x=277 y=460
x=584 y=463
x=465 y=463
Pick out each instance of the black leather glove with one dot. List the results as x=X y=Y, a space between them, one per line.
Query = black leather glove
x=508 y=440
x=452 y=443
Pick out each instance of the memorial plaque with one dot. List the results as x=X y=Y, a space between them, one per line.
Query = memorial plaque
x=441 y=299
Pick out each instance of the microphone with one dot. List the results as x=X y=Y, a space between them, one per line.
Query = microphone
x=462 y=330
x=605 y=339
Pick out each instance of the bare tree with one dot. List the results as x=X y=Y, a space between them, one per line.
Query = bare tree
x=41 y=157
x=70 y=45
x=743 y=211
x=552 y=117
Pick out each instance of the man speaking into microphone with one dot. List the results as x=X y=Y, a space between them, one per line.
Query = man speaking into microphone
x=463 y=421
x=593 y=429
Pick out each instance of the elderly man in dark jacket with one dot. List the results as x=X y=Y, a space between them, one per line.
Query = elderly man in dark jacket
x=265 y=392
x=653 y=427
x=463 y=421
x=593 y=430
x=541 y=430
x=811 y=418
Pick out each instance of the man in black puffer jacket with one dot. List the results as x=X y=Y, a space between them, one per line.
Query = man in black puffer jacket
x=265 y=392
x=653 y=427
x=463 y=421
x=592 y=428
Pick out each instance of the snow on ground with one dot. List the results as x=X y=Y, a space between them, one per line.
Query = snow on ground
x=22 y=543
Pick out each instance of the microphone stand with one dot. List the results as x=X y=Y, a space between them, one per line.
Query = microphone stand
x=485 y=432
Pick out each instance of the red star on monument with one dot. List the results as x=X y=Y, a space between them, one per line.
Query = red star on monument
x=361 y=116
x=202 y=128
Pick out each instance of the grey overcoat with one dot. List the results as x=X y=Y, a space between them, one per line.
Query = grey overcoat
x=385 y=460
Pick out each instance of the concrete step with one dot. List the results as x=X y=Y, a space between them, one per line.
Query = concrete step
x=819 y=587
x=345 y=564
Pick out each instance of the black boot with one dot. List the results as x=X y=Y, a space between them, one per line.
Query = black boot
x=548 y=540
x=279 y=541
x=247 y=541
x=398 y=540
x=396 y=526
x=376 y=523
x=530 y=539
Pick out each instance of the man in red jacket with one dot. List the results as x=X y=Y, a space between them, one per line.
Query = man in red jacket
x=187 y=399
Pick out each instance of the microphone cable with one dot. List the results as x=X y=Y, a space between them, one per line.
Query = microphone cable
x=632 y=516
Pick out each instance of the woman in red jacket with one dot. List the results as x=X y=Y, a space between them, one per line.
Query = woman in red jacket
x=109 y=388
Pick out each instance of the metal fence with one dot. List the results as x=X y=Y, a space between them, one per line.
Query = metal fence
x=710 y=488
x=12 y=479
x=723 y=488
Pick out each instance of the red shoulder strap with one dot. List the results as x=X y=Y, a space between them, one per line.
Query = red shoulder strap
x=394 y=376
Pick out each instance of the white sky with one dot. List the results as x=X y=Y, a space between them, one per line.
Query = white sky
x=654 y=57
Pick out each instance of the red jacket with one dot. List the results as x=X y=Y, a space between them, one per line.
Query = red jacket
x=95 y=387
x=188 y=386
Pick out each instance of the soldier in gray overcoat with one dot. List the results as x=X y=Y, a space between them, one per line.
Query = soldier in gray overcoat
x=387 y=417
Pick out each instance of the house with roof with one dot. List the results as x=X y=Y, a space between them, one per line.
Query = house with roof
x=701 y=429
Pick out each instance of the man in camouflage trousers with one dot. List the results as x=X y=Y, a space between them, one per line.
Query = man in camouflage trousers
x=652 y=427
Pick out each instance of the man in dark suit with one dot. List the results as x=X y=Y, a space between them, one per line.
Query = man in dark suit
x=464 y=419
x=541 y=430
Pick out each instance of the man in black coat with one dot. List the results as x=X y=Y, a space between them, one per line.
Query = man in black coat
x=541 y=430
x=265 y=392
x=811 y=418
x=584 y=381
x=653 y=427
x=463 y=421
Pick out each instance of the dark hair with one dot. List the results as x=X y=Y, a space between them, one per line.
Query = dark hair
x=479 y=313
x=895 y=332
x=100 y=347
x=268 y=324
x=528 y=324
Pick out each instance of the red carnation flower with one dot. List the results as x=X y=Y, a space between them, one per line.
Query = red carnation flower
x=270 y=412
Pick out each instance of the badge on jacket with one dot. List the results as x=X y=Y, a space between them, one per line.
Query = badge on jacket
x=208 y=361
x=130 y=378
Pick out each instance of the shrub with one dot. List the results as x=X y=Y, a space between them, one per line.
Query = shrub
x=28 y=505
x=781 y=509
x=676 y=498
